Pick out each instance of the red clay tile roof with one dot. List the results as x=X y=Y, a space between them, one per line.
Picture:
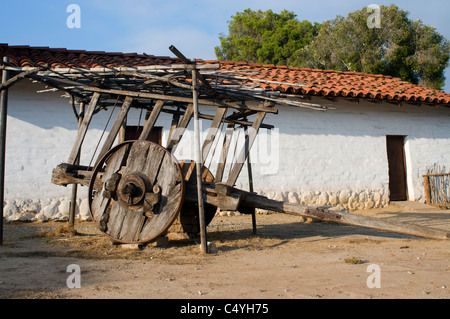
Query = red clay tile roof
x=291 y=80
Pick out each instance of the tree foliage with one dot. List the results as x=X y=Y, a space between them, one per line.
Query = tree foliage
x=265 y=37
x=400 y=47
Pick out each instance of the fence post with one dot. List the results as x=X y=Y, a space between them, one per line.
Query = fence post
x=426 y=180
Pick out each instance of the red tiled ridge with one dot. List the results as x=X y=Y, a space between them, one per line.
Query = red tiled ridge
x=25 y=56
x=330 y=83
x=291 y=80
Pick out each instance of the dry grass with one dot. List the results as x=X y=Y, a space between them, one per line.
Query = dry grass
x=64 y=230
x=86 y=241
x=354 y=260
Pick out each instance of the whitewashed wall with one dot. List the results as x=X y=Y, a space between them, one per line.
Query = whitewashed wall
x=339 y=157
x=334 y=158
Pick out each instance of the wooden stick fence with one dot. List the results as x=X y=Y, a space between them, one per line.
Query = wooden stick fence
x=437 y=189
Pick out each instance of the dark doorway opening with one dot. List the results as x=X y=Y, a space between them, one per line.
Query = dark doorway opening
x=395 y=145
x=132 y=132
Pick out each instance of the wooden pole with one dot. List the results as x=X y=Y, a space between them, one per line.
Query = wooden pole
x=426 y=180
x=3 y=118
x=253 y=200
x=198 y=163
x=73 y=200
x=250 y=181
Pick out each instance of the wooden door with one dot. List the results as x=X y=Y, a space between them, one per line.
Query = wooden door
x=397 y=168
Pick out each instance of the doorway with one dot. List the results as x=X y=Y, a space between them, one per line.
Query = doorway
x=395 y=145
x=132 y=132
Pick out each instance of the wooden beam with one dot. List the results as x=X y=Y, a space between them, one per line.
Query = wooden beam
x=178 y=133
x=236 y=105
x=83 y=128
x=239 y=163
x=116 y=127
x=240 y=122
x=223 y=156
x=212 y=132
x=197 y=73
x=17 y=78
x=345 y=218
x=150 y=122
x=122 y=130
x=173 y=126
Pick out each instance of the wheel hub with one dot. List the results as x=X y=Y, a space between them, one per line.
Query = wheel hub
x=131 y=190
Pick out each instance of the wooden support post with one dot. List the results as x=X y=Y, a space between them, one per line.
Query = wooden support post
x=175 y=121
x=116 y=127
x=83 y=128
x=178 y=133
x=150 y=122
x=426 y=180
x=239 y=163
x=250 y=183
x=198 y=163
x=73 y=200
x=122 y=130
x=3 y=120
x=223 y=156
x=207 y=144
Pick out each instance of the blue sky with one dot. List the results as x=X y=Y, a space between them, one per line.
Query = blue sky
x=152 y=26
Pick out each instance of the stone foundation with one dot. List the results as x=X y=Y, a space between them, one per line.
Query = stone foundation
x=348 y=199
x=57 y=209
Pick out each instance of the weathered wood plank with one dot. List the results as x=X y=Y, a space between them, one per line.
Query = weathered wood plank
x=115 y=221
x=83 y=128
x=131 y=225
x=150 y=122
x=169 y=179
x=116 y=127
x=257 y=201
x=99 y=202
x=223 y=156
x=153 y=226
x=178 y=133
x=130 y=219
x=152 y=163
x=212 y=132
x=219 y=103
x=250 y=138
x=82 y=177
x=173 y=126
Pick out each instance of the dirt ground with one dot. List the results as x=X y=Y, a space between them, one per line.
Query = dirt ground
x=286 y=259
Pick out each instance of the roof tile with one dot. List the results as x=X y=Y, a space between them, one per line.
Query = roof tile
x=309 y=81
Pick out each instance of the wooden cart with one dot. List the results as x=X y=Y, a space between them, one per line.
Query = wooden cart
x=137 y=189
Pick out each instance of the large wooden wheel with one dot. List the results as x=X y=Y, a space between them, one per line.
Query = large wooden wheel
x=136 y=192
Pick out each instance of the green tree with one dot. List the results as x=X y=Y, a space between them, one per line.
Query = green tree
x=403 y=48
x=265 y=37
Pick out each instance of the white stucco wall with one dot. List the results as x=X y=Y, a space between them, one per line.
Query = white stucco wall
x=335 y=158
x=339 y=156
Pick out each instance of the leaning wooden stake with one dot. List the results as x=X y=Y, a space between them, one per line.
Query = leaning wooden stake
x=3 y=117
x=253 y=200
x=198 y=163
x=73 y=200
